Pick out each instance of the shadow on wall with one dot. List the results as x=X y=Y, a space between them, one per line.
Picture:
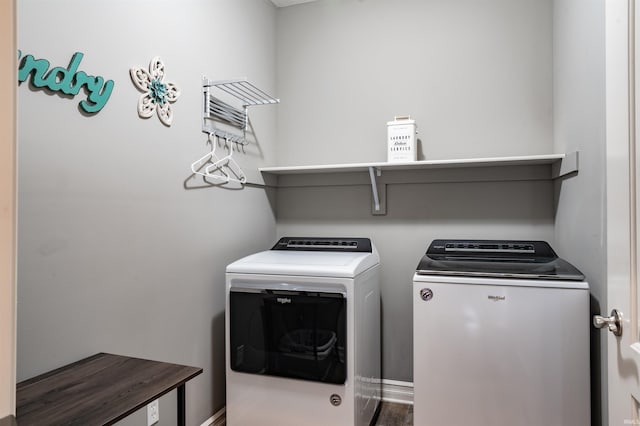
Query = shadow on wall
x=500 y=202
x=558 y=189
x=384 y=374
x=218 y=351
x=596 y=367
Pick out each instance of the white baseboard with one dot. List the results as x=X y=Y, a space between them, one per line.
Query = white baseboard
x=397 y=391
x=392 y=391
x=218 y=419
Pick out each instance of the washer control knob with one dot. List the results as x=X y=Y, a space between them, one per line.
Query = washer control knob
x=426 y=294
x=335 y=399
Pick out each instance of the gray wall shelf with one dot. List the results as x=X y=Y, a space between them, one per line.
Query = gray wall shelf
x=380 y=174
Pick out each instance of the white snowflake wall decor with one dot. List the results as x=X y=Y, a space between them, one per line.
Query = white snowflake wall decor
x=157 y=94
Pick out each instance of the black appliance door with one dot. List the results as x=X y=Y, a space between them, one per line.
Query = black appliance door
x=296 y=334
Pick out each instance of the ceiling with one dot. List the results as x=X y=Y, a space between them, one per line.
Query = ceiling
x=285 y=3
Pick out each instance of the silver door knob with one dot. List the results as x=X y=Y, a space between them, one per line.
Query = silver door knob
x=613 y=323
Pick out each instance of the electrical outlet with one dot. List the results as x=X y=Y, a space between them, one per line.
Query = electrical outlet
x=153 y=413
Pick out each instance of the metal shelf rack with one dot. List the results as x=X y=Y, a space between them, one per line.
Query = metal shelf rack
x=216 y=111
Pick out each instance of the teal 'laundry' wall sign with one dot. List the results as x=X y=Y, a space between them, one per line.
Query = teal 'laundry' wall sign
x=66 y=80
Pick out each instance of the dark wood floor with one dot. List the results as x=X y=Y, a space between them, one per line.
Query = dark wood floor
x=392 y=414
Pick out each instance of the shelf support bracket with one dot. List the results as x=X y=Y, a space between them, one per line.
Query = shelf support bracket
x=379 y=199
x=565 y=167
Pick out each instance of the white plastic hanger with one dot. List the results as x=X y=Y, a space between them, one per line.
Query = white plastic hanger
x=209 y=157
x=229 y=163
x=197 y=165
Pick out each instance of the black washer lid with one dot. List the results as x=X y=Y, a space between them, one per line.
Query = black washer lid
x=496 y=258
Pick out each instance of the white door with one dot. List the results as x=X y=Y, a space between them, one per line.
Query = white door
x=623 y=170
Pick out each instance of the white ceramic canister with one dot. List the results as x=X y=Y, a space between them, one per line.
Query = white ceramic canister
x=401 y=140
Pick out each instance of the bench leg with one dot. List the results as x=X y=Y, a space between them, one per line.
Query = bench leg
x=181 y=406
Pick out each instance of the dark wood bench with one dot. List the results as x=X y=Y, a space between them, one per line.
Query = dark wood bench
x=99 y=390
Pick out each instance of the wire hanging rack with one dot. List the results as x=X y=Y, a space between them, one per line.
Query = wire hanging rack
x=216 y=111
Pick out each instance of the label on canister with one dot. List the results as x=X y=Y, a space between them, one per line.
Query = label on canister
x=401 y=140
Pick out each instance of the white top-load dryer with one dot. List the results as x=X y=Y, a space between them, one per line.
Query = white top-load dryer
x=500 y=335
x=303 y=334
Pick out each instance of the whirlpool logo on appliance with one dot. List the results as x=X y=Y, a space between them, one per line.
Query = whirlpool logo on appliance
x=496 y=298
x=283 y=300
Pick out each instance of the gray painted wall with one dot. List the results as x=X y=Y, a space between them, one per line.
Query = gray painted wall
x=579 y=124
x=476 y=76
x=119 y=249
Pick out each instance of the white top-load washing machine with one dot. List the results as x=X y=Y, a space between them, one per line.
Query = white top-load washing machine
x=303 y=334
x=501 y=336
